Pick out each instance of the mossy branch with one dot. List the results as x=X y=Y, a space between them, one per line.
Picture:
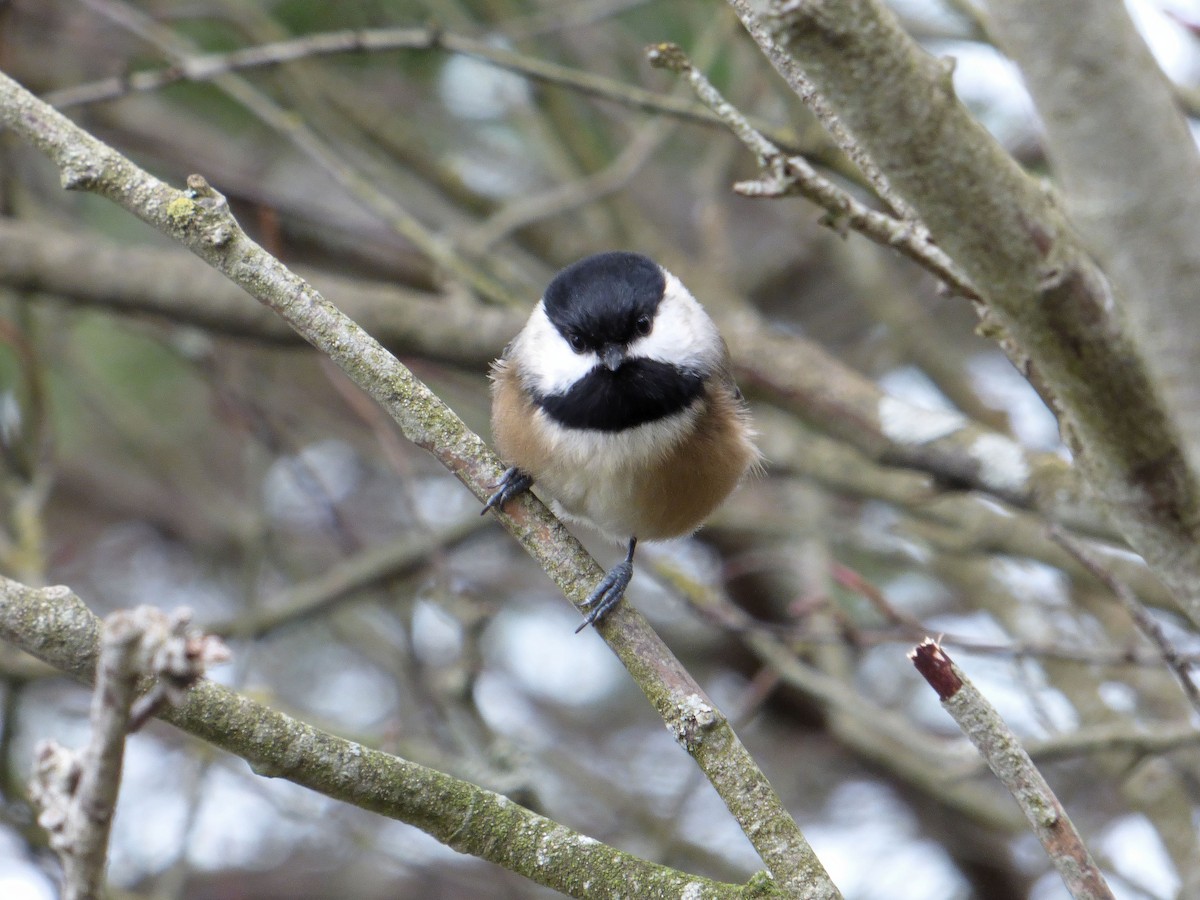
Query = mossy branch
x=54 y=625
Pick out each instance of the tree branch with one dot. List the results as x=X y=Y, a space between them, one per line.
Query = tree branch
x=949 y=521
x=199 y=218
x=800 y=376
x=54 y=625
x=319 y=150
x=201 y=67
x=1180 y=667
x=1128 y=165
x=343 y=580
x=78 y=791
x=166 y=283
x=1012 y=765
x=787 y=175
x=1049 y=304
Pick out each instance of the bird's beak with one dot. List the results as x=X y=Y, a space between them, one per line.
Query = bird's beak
x=612 y=356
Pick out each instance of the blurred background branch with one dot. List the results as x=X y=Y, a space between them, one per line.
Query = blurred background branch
x=163 y=435
x=200 y=220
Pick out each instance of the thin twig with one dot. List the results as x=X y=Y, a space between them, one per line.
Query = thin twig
x=1179 y=665
x=785 y=175
x=1154 y=741
x=555 y=201
x=562 y=16
x=980 y=722
x=147 y=280
x=201 y=67
x=77 y=792
x=363 y=189
x=787 y=66
x=367 y=569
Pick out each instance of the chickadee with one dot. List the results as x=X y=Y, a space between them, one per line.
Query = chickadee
x=616 y=398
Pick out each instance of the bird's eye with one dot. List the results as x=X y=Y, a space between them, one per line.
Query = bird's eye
x=643 y=325
x=577 y=343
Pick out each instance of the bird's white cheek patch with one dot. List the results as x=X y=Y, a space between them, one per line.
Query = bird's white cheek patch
x=546 y=362
x=683 y=334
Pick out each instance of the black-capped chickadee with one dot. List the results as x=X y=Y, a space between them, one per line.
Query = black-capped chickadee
x=617 y=399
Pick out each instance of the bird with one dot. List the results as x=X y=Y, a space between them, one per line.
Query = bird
x=616 y=399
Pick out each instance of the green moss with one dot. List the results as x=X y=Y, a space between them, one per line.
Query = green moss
x=181 y=209
x=761 y=884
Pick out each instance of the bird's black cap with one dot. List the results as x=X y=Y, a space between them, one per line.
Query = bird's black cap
x=600 y=298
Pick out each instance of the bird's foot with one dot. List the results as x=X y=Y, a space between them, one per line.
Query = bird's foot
x=609 y=591
x=513 y=483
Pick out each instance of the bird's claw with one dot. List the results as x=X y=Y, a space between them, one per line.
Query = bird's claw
x=608 y=594
x=609 y=591
x=512 y=483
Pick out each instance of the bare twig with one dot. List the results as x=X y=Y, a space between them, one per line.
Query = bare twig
x=878 y=735
x=802 y=377
x=980 y=722
x=164 y=282
x=77 y=792
x=566 y=15
x=1179 y=665
x=307 y=140
x=559 y=199
x=1145 y=742
x=785 y=175
x=201 y=67
x=803 y=88
x=371 y=567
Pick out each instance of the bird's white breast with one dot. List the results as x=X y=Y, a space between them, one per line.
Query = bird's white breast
x=591 y=480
